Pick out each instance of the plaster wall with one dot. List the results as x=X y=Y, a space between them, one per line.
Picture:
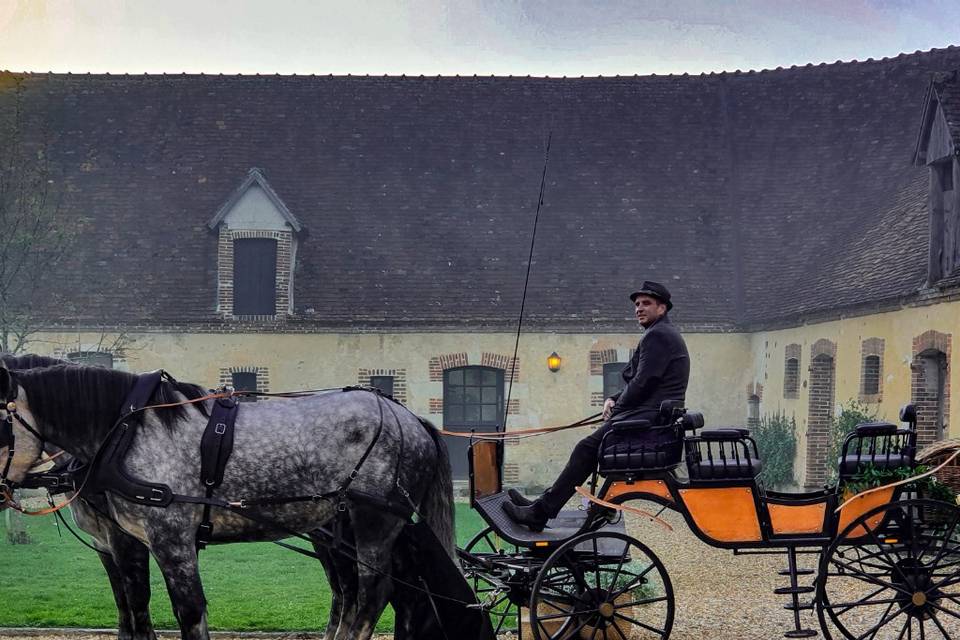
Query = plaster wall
x=255 y=210
x=898 y=329
x=720 y=369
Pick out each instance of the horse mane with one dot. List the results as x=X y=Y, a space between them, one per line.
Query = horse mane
x=71 y=394
x=30 y=361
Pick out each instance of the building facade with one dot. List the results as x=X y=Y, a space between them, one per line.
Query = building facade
x=280 y=233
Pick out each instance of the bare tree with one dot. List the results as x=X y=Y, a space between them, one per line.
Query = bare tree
x=33 y=237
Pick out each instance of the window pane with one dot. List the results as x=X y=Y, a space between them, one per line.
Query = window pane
x=489 y=395
x=472 y=395
x=489 y=414
x=471 y=376
x=384 y=383
x=489 y=377
x=455 y=377
x=244 y=381
x=471 y=414
x=453 y=394
x=453 y=415
x=92 y=358
x=254 y=276
x=612 y=378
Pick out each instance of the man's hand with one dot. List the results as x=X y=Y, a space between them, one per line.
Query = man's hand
x=608 y=408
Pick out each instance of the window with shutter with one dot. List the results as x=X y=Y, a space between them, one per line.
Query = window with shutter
x=92 y=358
x=254 y=277
x=384 y=383
x=245 y=381
x=613 y=378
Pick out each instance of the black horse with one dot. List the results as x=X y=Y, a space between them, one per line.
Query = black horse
x=297 y=447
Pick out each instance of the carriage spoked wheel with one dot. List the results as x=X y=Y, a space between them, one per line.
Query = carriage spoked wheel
x=894 y=573
x=502 y=605
x=602 y=585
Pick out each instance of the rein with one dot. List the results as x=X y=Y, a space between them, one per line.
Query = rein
x=6 y=488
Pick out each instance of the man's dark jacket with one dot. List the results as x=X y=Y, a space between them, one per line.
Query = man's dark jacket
x=658 y=371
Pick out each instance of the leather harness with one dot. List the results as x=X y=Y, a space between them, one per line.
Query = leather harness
x=105 y=473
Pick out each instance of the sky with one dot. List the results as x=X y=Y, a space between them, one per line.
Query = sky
x=430 y=37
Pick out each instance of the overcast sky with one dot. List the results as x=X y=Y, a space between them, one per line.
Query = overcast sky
x=537 y=37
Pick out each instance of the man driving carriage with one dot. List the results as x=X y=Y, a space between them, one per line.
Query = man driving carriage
x=658 y=371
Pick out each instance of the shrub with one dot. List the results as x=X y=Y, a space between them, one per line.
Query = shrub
x=851 y=414
x=776 y=437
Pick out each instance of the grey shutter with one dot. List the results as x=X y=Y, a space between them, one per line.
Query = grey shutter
x=255 y=277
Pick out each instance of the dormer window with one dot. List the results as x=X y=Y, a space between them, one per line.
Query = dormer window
x=257 y=252
x=937 y=149
x=254 y=276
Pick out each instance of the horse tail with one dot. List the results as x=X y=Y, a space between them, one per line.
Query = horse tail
x=437 y=505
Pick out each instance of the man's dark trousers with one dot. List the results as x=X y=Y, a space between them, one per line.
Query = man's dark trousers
x=582 y=463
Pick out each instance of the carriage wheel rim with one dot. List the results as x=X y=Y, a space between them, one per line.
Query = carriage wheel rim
x=584 y=612
x=916 y=595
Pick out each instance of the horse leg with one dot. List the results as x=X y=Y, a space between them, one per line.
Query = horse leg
x=341 y=575
x=374 y=538
x=178 y=562
x=132 y=560
x=126 y=561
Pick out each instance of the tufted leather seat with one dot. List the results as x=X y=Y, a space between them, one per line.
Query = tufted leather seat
x=851 y=463
x=725 y=469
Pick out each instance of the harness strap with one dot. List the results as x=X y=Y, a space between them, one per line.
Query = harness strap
x=216 y=445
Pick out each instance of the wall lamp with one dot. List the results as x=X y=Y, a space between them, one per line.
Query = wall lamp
x=553 y=362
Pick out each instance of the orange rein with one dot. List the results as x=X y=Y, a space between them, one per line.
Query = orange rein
x=622 y=507
x=593 y=420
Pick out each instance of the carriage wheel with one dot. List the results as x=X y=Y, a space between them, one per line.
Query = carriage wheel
x=504 y=612
x=602 y=585
x=897 y=578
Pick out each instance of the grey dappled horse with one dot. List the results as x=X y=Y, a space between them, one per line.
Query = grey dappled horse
x=304 y=446
x=126 y=560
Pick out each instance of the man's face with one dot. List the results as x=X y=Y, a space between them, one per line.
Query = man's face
x=648 y=310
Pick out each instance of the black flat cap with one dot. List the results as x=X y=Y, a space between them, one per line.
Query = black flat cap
x=654 y=290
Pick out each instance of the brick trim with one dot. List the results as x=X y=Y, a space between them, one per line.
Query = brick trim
x=931 y=408
x=509 y=365
x=823 y=347
x=399 y=381
x=820 y=411
x=870 y=348
x=439 y=363
x=600 y=357
x=284 y=269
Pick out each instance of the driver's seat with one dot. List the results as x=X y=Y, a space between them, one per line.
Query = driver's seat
x=633 y=446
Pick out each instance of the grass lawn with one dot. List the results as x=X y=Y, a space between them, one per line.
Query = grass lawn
x=57 y=582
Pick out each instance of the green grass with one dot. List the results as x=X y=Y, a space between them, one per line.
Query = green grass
x=57 y=582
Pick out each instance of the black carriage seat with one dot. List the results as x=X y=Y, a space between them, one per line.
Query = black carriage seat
x=880 y=444
x=724 y=453
x=635 y=446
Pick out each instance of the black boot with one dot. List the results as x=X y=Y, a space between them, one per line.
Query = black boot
x=531 y=517
x=518 y=499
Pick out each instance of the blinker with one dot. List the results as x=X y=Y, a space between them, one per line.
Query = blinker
x=12 y=406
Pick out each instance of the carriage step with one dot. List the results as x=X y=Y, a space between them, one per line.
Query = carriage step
x=786 y=591
x=800 y=572
x=800 y=633
x=800 y=606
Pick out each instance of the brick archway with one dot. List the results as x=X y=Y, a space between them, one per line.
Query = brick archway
x=820 y=410
x=930 y=385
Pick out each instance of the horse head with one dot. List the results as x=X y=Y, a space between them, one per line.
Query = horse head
x=21 y=445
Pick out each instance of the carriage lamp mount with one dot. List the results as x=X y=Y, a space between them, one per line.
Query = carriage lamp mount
x=554 y=361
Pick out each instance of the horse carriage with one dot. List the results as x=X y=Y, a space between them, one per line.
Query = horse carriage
x=368 y=487
x=889 y=559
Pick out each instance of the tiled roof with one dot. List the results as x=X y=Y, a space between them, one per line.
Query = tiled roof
x=948 y=94
x=753 y=196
